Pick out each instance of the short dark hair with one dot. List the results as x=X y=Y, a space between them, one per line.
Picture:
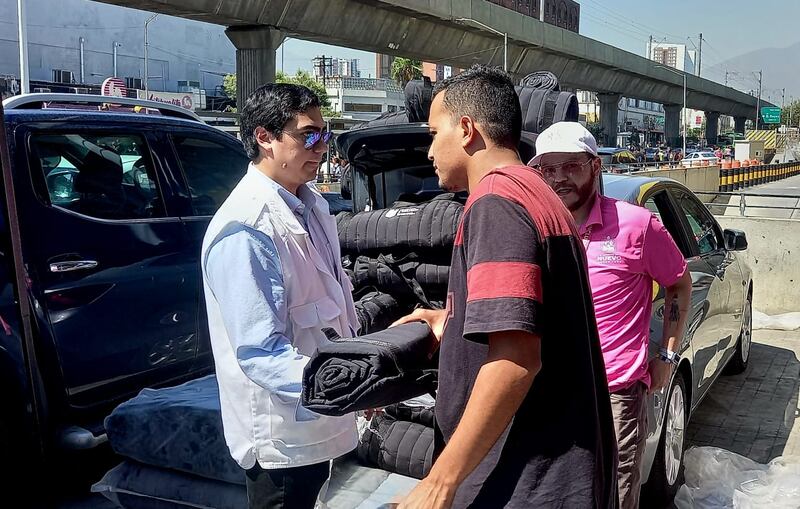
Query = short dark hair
x=272 y=106
x=487 y=95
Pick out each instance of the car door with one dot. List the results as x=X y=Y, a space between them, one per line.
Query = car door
x=713 y=272
x=207 y=164
x=103 y=258
x=658 y=200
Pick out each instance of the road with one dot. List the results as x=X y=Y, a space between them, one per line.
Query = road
x=789 y=187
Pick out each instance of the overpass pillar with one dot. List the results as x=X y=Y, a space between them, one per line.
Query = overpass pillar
x=672 y=124
x=609 y=113
x=712 y=127
x=255 y=57
x=738 y=124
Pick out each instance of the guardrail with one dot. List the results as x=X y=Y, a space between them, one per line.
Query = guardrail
x=742 y=204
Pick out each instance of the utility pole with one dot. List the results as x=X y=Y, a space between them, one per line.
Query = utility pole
x=783 y=101
x=758 y=101
x=25 y=85
x=650 y=49
x=700 y=55
x=146 y=88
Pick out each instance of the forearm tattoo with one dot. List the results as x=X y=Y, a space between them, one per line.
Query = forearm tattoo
x=674 y=311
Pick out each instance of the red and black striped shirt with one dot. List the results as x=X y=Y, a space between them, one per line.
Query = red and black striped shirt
x=518 y=265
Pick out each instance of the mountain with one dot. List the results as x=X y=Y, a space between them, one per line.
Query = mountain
x=781 y=68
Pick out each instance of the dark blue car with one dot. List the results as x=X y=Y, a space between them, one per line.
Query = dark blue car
x=100 y=291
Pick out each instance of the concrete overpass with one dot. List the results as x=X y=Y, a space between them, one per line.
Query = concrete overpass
x=425 y=29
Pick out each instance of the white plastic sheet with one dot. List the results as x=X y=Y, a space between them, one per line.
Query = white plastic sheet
x=786 y=321
x=720 y=479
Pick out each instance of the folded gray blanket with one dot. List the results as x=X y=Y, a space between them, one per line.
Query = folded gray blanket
x=372 y=371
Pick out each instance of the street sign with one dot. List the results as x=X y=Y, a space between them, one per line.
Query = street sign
x=771 y=115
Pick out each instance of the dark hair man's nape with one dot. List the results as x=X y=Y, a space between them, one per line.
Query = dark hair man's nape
x=487 y=95
x=272 y=106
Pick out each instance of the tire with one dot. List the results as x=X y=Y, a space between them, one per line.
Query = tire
x=741 y=356
x=666 y=476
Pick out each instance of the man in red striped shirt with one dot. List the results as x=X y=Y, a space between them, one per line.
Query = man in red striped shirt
x=523 y=417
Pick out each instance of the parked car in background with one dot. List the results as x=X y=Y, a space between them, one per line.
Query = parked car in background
x=703 y=158
x=617 y=160
x=650 y=155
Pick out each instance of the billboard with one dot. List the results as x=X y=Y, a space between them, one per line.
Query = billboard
x=188 y=100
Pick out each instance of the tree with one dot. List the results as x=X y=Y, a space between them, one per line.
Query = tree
x=790 y=115
x=597 y=130
x=300 y=78
x=405 y=70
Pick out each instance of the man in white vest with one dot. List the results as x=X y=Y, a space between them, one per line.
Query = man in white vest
x=273 y=279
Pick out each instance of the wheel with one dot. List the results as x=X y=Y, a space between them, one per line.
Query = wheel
x=666 y=475
x=738 y=362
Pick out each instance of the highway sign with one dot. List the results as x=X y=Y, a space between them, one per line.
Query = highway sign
x=771 y=115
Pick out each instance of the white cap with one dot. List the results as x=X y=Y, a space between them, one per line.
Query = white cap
x=565 y=138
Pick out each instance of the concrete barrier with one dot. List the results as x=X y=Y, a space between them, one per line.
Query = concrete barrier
x=773 y=254
x=705 y=179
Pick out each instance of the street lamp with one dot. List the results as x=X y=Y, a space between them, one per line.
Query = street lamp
x=498 y=32
x=151 y=18
x=683 y=116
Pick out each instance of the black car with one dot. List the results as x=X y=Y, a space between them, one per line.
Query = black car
x=104 y=215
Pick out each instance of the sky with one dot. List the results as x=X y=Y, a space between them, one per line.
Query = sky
x=729 y=27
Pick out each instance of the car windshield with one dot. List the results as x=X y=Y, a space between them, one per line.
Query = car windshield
x=606 y=158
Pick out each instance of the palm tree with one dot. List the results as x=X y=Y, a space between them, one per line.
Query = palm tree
x=405 y=70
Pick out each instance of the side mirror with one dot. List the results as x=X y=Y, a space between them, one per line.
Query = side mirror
x=346 y=183
x=735 y=240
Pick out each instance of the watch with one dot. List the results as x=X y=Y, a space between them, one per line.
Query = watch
x=669 y=357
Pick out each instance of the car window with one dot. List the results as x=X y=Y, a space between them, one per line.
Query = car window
x=700 y=222
x=101 y=176
x=211 y=169
x=660 y=205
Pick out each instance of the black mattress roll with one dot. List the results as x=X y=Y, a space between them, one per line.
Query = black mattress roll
x=376 y=311
x=426 y=229
x=405 y=279
x=400 y=446
x=371 y=371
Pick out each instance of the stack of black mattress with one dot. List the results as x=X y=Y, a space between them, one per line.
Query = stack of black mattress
x=399 y=258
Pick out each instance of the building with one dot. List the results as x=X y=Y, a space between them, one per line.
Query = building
x=635 y=115
x=677 y=56
x=383 y=66
x=364 y=98
x=562 y=13
x=73 y=45
x=438 y=72
x=327 y=67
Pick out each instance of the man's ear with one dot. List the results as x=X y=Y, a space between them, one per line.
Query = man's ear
x=264 y=139
x=468 y=130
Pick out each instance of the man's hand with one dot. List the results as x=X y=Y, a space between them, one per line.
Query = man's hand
x=435 y=318
x=429 y=494
x=660 y=372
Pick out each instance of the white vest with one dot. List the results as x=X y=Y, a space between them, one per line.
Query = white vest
x=259 y=426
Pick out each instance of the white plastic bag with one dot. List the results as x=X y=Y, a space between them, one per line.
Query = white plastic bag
x=718 y=479
x=786 y=321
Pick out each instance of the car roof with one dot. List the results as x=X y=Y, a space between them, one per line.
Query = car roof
x=611 y=150
x=631 y=188
x=85 y=115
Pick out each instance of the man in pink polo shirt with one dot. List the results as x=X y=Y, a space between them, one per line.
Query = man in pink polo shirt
x=627 y=248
